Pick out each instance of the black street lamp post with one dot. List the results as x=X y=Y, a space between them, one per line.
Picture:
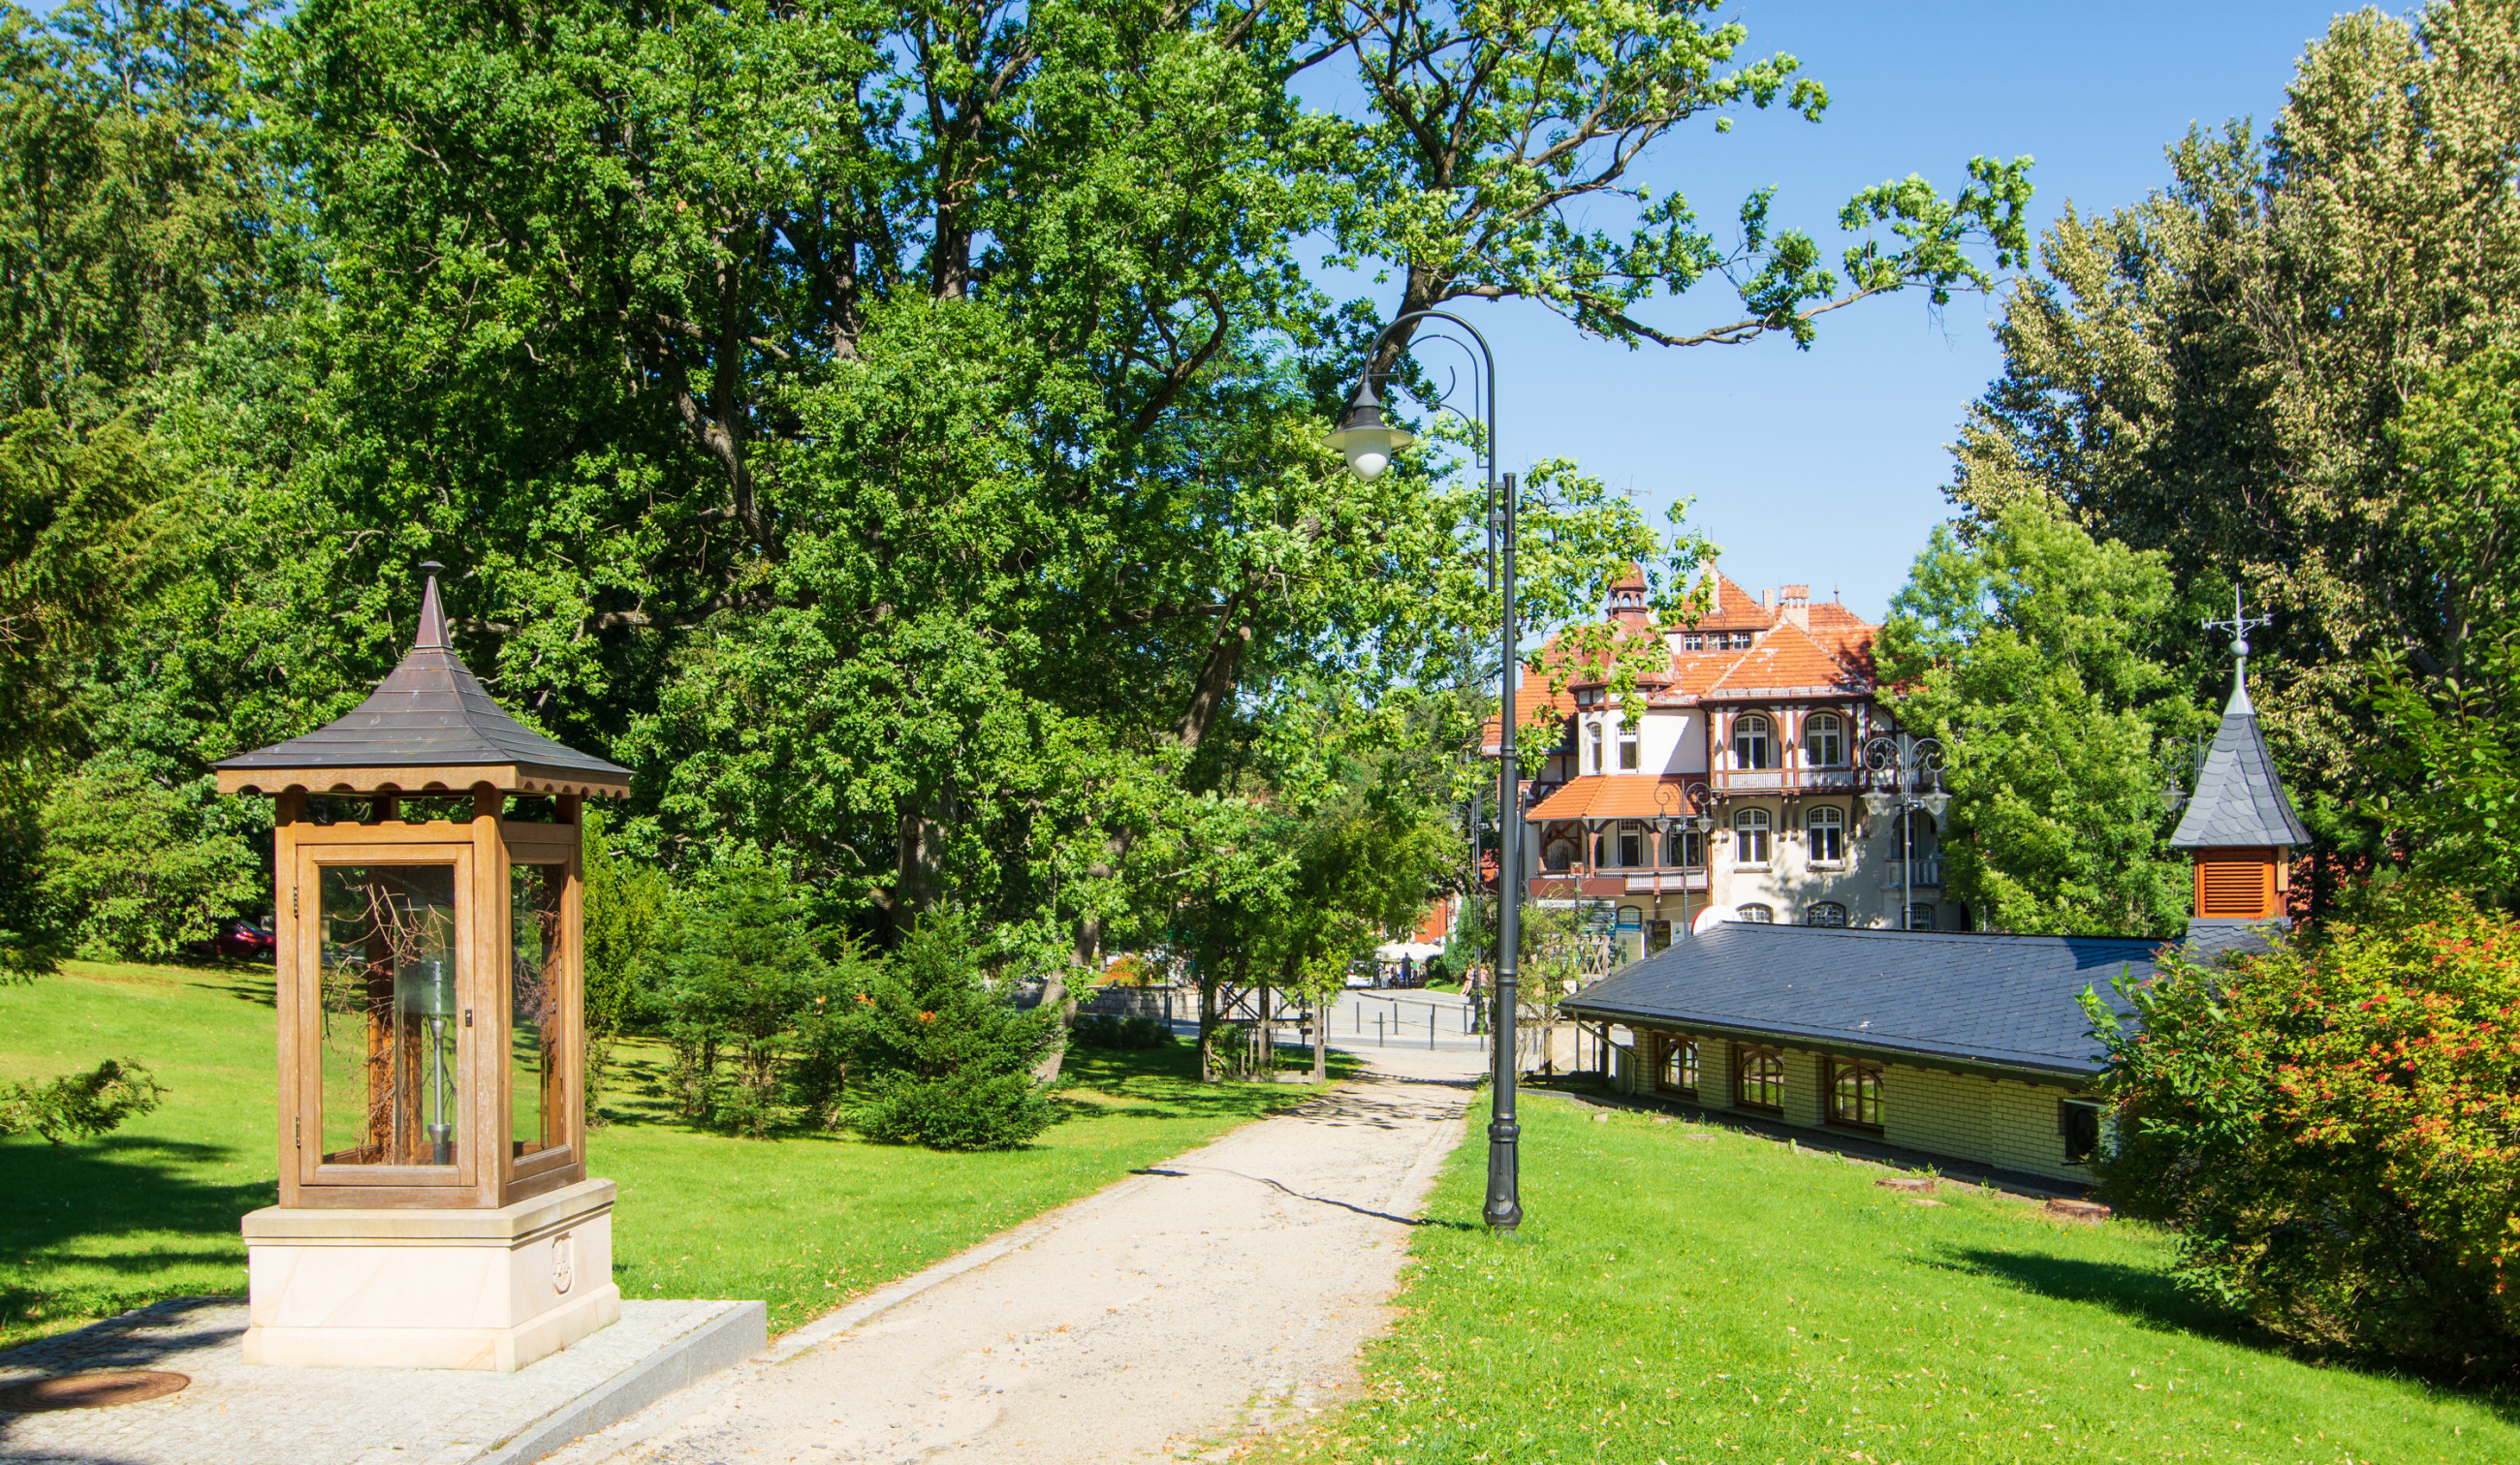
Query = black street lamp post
x=1907 y=774
x=1368 y=442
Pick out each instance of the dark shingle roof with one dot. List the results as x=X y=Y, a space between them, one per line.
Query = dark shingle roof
x=2004 y=1001
x=428 y=712
x=2239 y=800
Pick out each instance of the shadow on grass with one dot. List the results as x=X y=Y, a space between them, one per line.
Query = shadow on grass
x=116 y=1187
x=2151 y=1300
x=2142 y=1295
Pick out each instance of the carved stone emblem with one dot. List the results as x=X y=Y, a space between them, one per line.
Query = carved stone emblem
x=564 y=1262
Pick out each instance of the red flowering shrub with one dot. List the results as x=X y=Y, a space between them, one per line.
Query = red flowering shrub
x=2335 y=1131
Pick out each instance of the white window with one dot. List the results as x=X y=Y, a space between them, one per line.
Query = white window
x=1685 y=849
x=1824 y=740
x=1752 y=747
x=1629 y=757
x=1921 y=917
x=1693 y=640
x=1757 y=916
x=1751 y=831
x=1825 y=834
x=1632 y=845
x=1824 y=913
x=1592 y=747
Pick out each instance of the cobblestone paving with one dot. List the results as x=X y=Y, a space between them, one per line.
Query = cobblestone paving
x=235 y=1413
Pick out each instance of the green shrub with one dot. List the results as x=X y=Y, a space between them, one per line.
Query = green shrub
x=1103 y=1031
x=140 y=866
x=83 y=1104
x=943 y=1057
x=2335 y=1131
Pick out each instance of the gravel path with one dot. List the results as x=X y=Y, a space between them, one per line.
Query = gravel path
x=1168 y=1316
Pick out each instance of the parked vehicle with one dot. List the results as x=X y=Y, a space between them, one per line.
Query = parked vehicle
x=237 y=939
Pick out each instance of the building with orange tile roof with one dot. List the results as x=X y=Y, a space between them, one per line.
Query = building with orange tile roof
x=1734 y=792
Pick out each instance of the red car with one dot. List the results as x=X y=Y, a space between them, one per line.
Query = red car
x=238 y=938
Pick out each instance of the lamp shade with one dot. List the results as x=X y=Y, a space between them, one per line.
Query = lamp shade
x=1934 y=803
x=1364 y=439
x=1879 y=804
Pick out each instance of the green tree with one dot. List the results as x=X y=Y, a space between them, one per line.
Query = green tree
x=2037 y=657
x=943 y=1056
x=2448 y=760
x=2215 y=372
x=130 y=219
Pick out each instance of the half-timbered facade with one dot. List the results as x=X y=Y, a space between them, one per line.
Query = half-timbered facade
x=1735 y=792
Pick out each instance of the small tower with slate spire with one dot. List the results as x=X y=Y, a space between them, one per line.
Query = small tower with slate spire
x=2239 y=828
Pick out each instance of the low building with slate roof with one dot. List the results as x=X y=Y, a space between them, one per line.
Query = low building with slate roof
x=1972 y=1047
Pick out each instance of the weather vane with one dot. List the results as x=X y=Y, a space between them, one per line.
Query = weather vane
x=2238 y=625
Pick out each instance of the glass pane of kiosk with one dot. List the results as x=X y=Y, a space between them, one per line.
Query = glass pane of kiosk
x=534 y=1036
x=392 y=1051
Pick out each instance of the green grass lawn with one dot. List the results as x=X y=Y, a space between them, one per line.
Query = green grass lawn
x=1688 y=1293
x=802 y=1221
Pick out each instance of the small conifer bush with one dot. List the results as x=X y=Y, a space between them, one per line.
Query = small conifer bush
x=943 y=1057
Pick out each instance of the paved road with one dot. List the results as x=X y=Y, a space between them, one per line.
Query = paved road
x=1174 y=1312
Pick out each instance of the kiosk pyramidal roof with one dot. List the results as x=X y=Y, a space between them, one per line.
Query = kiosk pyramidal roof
x=427 y=727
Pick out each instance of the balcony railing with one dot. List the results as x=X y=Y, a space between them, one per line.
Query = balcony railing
x=1663 y=881
x=1929 y=872
x=1786 y=779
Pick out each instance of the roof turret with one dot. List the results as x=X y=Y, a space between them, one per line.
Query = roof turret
x=2239 y=800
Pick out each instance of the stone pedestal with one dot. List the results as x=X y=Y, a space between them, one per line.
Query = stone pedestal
x=492 y=1290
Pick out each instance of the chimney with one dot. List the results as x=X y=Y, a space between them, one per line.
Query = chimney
x=1767 y=600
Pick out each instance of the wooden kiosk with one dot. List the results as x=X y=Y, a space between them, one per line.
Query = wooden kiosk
x=435 y=1207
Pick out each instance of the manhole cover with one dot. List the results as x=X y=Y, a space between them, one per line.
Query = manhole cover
x=90 y=1391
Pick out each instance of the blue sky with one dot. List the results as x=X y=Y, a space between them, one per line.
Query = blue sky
x=1827 y=467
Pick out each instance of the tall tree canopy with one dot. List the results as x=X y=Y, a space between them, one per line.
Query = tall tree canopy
x=892 y=430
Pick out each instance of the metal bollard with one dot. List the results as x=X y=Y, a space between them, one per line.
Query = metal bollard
x=1378 y=1040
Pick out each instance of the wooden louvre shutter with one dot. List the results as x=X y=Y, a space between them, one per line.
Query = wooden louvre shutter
x=2234 y=884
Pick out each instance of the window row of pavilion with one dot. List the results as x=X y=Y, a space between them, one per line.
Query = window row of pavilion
x=1851 y=1089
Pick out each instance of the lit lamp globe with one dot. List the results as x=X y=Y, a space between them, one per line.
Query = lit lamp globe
x=1364 y=439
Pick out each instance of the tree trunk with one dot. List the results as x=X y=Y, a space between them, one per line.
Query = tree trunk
x=1059 y=998
x=1207 y=1024
x=1321 y=1041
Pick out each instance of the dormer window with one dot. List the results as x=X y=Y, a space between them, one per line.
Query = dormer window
x=1693 y=640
